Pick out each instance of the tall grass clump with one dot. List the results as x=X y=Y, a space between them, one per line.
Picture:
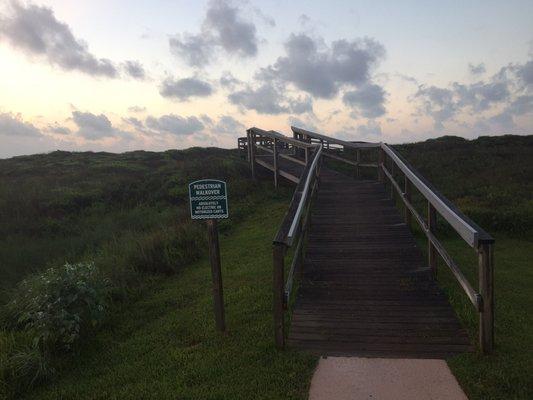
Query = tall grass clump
x=22 y=364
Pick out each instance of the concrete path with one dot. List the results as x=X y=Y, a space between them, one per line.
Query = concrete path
x=354 y=378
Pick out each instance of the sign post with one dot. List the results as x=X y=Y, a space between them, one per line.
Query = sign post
x=209 y=201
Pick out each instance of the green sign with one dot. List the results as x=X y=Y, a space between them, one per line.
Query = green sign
x=209 y=199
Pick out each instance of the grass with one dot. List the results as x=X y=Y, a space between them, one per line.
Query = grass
x=164 y=346
x=507 y=373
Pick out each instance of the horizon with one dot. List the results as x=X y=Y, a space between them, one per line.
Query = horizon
x=178 y=75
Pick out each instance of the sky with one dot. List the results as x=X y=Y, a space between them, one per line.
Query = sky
x=117 y=75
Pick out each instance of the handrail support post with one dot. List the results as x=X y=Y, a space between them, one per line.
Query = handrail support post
x=279 y=294
x=380 y=164
x=432 y=251
x=358 y=160
x=252 y=153
x=275 y=155
x=407 y=191
x=486 y=290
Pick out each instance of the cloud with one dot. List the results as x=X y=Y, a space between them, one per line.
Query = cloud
x=196 y=50
x=223 y=29
x=494 y=101
x=230 y=30
x=174 y=124
x=227 y=80
x=184 y=89
x=36 y=31
x=95 y=127
x=58 y=129
x=366 y=132
x=320 y=70
x=135 y=122
x=525 y=72
x=368 y=99
x=302 y=123
x=478 y=69
x=370 y=131
x=134 y=69
x=521 y=105
x=136 y=109
x=267 y=99
x=442 y=104
x=13 y=125
x=228 y=125
x=264 y=100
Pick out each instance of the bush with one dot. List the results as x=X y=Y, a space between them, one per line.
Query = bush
x=59 y=305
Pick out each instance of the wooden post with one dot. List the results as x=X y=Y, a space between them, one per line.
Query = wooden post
x=407 y=191
x=486 y=289
x=392 y=177
x=248 y=146
x=252 y=153
x=214 y=256
x=432 y=251
x=358 y=159
x=275 y=153
x=278 y=255
x=380 y=164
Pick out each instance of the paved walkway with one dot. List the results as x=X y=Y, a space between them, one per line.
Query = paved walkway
x=355 y=378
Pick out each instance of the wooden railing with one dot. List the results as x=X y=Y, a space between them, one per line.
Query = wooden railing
x=278 y=146
x=473 y=235
x=337 y=149
x=292 y=234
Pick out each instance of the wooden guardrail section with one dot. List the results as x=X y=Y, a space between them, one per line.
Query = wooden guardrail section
x=299 y=159
x=473 y=235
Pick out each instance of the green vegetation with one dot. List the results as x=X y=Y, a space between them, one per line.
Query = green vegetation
x=506 y=374
x=105 y=243
x=491 y=180
x=119 y=219
x=164 y=345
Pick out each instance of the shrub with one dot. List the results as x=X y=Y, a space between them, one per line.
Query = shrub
x=58 y=305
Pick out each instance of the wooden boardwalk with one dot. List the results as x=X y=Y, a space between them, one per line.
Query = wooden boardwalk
x=363 y=286
x=365 y=289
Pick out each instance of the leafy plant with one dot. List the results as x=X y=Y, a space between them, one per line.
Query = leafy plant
x=59 y=305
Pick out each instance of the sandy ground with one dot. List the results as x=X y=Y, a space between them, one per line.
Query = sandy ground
x=354 y=378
